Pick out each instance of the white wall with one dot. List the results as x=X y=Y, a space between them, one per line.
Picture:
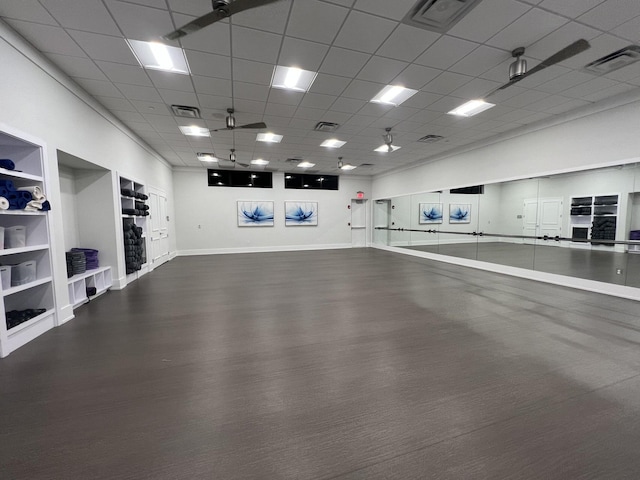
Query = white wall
x=41 y=101
x=606 y=133
x=68 y=208
x=206 y=217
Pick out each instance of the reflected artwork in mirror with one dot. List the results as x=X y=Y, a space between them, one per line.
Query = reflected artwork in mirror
x=460 y=213
x=430 y=213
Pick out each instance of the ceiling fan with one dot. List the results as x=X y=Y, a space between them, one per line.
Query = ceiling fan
x=221 y=10
x=388 y=139
x=518 y=69
x=233 y=157
x=231 y=123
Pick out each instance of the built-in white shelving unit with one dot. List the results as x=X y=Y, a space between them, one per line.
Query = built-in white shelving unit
x=134 y=210
x=594 y=217
x=32 y=293
x=100 y=278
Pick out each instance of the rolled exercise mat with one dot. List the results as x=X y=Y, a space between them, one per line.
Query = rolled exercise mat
x=4 y=203
x=7 y=164
x=16 y=202
x=35 y=191
x=26 y=195
x=8 y=184
x=46 y=206
x=4 y=192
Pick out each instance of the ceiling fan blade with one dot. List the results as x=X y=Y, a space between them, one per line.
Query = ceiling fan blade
x=245 y=165
x=242 y=5
x=567 y=52
x=221 y=129
x=195 y=25
x=253 y=125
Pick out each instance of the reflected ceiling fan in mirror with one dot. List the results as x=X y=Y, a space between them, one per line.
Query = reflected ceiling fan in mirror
x=518 y=69
x=233 y=159
x=221 y=10
x=231 y=123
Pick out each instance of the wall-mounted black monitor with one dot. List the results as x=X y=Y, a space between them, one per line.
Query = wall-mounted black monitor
x=239 y=178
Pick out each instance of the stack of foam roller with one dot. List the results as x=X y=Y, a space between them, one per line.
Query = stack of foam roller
x=603 y=228
x=133 y=247
x=141 y=209
x=76 y=263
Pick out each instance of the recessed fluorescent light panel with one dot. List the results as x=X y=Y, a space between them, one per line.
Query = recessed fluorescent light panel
x=332 y=143
x=385 y=148
x=471 y=108
x=268 y=137
x=206 y=157
x=393 y=95
x=259 y=161
x=194 y=131
x=157 y=56
x=291 y=78
x=306 y=165
x=347 y=167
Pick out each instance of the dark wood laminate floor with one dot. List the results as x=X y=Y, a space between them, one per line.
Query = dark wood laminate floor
x=346 y=364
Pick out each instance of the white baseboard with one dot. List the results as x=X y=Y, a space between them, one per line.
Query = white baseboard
x=119 y=283
x=65 y=314
x=621 y=291
x=285 y=248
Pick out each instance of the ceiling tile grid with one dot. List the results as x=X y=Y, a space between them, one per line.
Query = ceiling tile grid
x=356 y=46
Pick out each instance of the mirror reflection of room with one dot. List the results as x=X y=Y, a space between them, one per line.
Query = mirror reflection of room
x=582 y=224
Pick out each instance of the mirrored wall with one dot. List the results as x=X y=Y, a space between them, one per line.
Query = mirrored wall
x=581 y=224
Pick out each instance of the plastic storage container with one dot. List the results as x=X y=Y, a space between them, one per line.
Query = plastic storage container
x=1 y=238
x=5 y=276
x=15 y=237
x=22 y=273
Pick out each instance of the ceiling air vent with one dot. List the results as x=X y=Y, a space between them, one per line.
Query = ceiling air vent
x=438 y=15
x=430 y=138
x=184 y=111
x=326 y=127
x=615 y=60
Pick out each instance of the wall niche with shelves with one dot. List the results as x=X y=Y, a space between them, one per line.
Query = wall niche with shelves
x=26 y=281
x=135 y=213
x=594 y=217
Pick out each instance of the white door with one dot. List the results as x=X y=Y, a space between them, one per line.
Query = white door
x=542 y=217
x=358 y=223
x=158 y=232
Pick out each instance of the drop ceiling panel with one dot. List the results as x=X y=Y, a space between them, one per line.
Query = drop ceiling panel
x=137 y=92
x=208 y=64
x=47 y=38
x=302 y=54
x=445 y=52
x=113 y=103
x=317 y=100
x=315 y=21
x=362 y=90
x=527 y=29
x=611 y=14
x=480 y=60
x=121 y=73
x=406 y=43
x=329 y=84
x=77 y=66
x=270 y=18
x=395 y=10
x=570 y=8
x=87 y=15
x=564 y=82
x=364 y=32
x=256 y=45
x=446 y=83
x=487 y=19
x=381 y=69
x=104 y=47
x=174 y=97
x=154 y=108
x=172 y=81
x=630 y=30
x=99 y=87
x=346 y=63
x=252 y=72
x=27 y=10
x=140 y=23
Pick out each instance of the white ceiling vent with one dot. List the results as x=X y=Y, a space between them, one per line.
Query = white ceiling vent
x=326 y=127
x=184 y=111
x=614 y=61
x=438 y=15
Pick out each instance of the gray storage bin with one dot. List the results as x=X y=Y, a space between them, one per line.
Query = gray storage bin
x=5 y=276
x=23 y=273
x=15 y=237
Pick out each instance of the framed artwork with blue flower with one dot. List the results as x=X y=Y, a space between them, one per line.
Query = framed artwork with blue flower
x=255 y=214
x=430 y=213
x=300 y=213
x=459 y=213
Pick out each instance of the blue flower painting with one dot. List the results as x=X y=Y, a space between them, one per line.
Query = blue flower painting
x=255 y=214
x=459 y=213
x=430 y=213
x=300 y=213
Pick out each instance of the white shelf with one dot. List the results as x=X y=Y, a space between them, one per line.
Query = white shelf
x=100 y=278
x=29 y=323
x=23 y=212
x=23 y=175
x=26 y=286
x=87 y=274
x=33 y=248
